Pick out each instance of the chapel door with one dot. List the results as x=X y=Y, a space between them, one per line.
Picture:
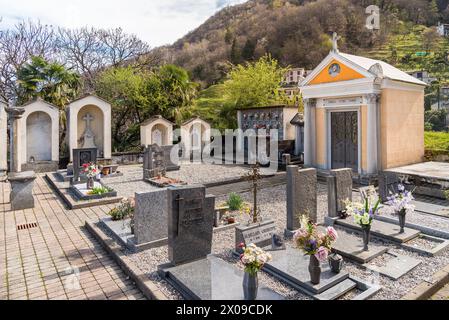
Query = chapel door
x=344 y=140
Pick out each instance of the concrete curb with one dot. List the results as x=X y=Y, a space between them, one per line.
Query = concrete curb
x=148 y=287
x=426 y=289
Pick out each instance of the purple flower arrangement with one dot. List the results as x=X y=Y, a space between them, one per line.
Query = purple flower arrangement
x=313 y=242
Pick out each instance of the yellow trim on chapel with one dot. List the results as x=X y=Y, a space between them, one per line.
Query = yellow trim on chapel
x=345 y=74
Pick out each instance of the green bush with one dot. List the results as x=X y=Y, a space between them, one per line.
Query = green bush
x=124 y=210
x=235 y=201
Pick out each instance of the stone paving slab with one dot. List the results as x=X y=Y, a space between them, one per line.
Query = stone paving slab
x=396 y=267
x=382 y=229
x=211 y=279
x=57 y=259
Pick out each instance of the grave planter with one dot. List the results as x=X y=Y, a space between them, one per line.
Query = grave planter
x=401 y=216
x=335 y=262
x=250 y=286
x=314 y=270
x=366 y=230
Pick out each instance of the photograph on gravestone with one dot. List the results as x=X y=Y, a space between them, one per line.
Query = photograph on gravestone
x=190 y=223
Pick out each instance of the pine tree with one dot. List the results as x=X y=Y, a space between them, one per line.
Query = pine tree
x=248 y=50
x=235 y=54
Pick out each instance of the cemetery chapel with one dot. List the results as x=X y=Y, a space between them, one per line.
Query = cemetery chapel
x=362 y=114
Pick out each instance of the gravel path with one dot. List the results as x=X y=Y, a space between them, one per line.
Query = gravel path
x=272 y=202
x=192 y=173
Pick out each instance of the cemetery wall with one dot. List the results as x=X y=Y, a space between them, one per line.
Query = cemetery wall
x=402 y=127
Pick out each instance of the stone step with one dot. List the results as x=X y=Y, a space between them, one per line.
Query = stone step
x=382 y=230
x=337 y=291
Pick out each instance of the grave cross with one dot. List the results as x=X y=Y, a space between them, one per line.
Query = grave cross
x=335 y=39
x=88 y=118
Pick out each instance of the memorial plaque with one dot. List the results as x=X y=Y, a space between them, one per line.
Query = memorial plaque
x=190 y=223
x=369 y=192
x=259 y=234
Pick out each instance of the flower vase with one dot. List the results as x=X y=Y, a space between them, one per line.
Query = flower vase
x=90 y=183
x=366 y=229
x=335 y=262
x=314 y=270
x=250 y=286
x=402 y=220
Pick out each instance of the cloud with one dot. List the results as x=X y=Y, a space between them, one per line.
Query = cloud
x=156 y=21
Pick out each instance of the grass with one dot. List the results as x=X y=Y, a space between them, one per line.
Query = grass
x=436 y=140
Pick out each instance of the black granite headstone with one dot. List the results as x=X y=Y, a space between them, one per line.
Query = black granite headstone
x=190 y=223
x=80 y=157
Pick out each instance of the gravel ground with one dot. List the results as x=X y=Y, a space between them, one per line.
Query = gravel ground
x=192 y=173
x=272 y=202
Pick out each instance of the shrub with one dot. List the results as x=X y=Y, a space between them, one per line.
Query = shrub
x=124 y=210
x=235 y=201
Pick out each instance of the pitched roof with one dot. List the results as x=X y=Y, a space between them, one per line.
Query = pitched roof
x=366 y=66
x=389 y=71
x=154 y=118
x=297 y=120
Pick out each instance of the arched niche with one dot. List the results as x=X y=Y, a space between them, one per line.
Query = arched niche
x=156 y=130
x=89 y=123
x=39 y=136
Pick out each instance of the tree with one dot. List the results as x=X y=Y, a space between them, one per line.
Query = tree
x=235 y=54
x=430 y=39
x=255 y=84
x=137 y=94
x=17 y=45
x=51 y=82
x=128 y=91
x=179 y=90
x=248 y=50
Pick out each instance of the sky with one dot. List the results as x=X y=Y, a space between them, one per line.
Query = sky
x=157 y=22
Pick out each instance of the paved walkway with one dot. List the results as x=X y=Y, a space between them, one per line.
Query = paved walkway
x=56 y=258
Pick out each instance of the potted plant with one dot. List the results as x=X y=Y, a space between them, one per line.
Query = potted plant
x=253 y=258
x=91 y=171
x=363 y=215
x=400 y=203
x=317 y=245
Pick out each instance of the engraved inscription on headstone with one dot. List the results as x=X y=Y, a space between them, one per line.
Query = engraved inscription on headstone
x=190 y=223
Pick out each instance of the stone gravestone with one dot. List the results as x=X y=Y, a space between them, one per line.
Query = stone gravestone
x=259 y=234
x=153 y=162
x=388 y=182
x=368 y=192
x=339 y=187
x=150 y=218
x=171 y=162
x=80 y=157
x=190 y=223
x=301 y=196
